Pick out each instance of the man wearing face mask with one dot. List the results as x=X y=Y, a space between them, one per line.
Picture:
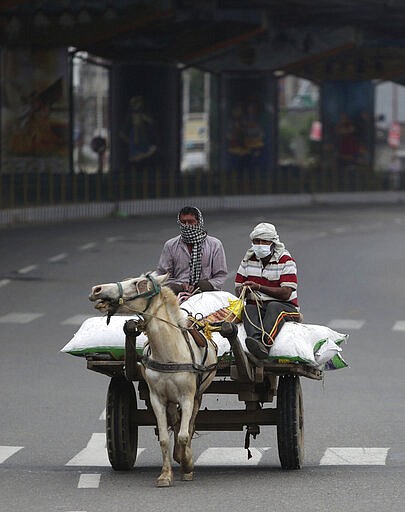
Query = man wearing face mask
x=269 y=274
x=194 y=260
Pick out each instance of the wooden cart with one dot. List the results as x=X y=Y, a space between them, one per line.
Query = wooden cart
x=256 y=383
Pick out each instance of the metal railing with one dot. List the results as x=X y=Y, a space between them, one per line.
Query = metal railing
x=39 y=189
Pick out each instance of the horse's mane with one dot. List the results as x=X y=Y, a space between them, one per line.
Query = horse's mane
x=170 y=299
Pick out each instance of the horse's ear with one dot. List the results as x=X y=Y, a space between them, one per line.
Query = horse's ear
x=160 y=279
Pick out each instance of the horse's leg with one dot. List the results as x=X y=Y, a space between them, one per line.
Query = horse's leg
x=196 y=408
x=184 y=438
x=176 y=446
x=174 y=421
x=166 y=477
x=188 y=475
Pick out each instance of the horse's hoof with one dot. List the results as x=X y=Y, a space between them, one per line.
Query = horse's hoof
x=164 y=482
x=188 y=477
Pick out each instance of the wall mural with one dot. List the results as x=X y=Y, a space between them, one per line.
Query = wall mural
x=138 y=132
x=35 y=118
x=348 y=123
x=249 y=122
x=145 y=112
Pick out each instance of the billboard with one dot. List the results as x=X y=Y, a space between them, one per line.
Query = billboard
x=34 y=111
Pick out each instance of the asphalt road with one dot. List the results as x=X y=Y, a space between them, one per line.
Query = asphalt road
x=351 y=277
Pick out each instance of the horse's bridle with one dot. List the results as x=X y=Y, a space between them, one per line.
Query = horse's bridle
x=149 y=294
x=192 y=367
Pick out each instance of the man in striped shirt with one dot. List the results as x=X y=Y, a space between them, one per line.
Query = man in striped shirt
x=268 y=275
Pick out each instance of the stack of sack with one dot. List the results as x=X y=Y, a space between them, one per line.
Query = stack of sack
x=315 y=345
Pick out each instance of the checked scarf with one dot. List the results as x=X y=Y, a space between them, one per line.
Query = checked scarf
x=194 y=235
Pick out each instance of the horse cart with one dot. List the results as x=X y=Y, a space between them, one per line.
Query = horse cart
x=255 y=383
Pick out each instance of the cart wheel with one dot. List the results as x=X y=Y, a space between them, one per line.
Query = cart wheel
x=290 y=422
x=121 y=430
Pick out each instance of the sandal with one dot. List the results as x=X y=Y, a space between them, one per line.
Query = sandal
x=257 y=348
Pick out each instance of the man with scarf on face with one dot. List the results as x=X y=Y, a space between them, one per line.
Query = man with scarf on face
x=269 y=274
x=194 y=260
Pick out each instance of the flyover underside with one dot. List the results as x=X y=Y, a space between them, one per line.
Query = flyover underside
x=320 y=40
x=245 y=45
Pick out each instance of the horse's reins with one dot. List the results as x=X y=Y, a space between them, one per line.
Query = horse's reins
x=258 y=303
x=193 y=367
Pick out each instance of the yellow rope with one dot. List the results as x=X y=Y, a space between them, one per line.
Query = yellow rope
x=261 y=328
x=207 y=327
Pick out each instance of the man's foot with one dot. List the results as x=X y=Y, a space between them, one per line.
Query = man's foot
x=257 y=348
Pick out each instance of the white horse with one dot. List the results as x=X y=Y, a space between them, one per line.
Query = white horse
x=176 y=369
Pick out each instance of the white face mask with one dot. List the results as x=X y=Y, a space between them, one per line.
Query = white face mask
x=261 y=251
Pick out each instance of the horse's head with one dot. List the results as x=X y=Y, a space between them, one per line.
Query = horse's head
x=130 y=295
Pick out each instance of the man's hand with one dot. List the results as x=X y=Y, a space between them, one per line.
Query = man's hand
x=189 y=288
x=252 y=285
x=182 y=296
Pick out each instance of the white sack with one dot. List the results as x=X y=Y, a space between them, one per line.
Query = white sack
x=208 y=302
x=95 y=336
x=313 y=344
x=316 y=345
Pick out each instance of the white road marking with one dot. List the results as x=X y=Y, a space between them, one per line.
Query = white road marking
x=95 y=453
x=102 y=415
x=8 y=451
x=351 y=456
x=89 y=481
x=3 y=282
x=75 y=320
x=230 y=456
x=58 y=257
x=27 y=269
x=346 y=323
x=340 y=230
x=399 y=326
x=19 y=318
x=86 y=247
x=112 y=239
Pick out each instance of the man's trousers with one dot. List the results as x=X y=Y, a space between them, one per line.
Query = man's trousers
x=270 y=316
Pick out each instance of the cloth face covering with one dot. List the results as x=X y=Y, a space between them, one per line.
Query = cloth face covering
x=195 y=235
x=266 y=231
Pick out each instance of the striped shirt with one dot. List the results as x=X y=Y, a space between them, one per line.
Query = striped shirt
x=275 y=274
